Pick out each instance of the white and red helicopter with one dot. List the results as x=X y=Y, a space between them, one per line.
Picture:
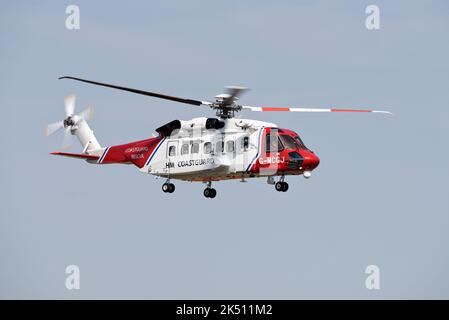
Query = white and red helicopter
x=202 y=149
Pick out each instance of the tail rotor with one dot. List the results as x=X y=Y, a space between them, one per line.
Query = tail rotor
x=70 y=122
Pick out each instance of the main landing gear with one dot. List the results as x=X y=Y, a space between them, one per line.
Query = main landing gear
x=210 y=192
x=281 y=185
x=168 y=187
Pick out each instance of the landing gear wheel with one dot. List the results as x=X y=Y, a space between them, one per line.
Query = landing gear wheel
x=279 y=186
x=168 y=187
x=210 y=193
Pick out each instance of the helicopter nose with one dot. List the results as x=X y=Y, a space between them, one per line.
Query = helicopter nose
x=311 y=161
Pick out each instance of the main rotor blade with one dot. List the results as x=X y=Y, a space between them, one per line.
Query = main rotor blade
x=288 y=109
x=233 y=92
x=142 y=92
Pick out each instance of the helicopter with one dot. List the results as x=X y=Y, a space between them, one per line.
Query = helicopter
x=204 y=149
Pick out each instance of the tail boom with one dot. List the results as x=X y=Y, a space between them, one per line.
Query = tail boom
x=136 y=153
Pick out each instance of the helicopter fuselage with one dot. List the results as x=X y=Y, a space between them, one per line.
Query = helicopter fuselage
x=210 y=149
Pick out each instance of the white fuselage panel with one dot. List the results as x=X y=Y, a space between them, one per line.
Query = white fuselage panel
x=196 y=153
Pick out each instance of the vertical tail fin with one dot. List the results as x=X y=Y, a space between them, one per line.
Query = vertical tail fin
x=86 y=137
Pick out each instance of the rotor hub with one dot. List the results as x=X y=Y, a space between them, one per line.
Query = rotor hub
x=226 y=112
x=69 y=121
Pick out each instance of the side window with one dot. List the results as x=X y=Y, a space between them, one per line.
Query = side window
x=230 y=146
x=172 y=151
x=185 y=149
x=219 y=147
x=207 y=148
x=245 y=143
x=195 y=148
x=267 y=143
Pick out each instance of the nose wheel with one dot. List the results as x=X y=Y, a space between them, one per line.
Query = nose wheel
x=168 y=187
x=281 y=186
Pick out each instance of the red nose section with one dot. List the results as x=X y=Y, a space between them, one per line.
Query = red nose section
x=311 y=160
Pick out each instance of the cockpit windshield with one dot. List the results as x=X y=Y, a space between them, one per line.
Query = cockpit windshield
x=289 y=142
x=301 y=144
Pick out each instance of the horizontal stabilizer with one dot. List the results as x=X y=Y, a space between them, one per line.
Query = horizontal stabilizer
x=76 y=155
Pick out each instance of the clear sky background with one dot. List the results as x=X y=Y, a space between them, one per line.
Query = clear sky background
x=379 y=196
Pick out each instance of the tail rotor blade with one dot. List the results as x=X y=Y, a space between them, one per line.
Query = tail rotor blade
x=53 y=127
x=66 y=142
x=86 y=114
x=69 y=103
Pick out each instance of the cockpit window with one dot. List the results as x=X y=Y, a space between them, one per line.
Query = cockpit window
x=289 y=142
x=273 y=145
x=301 y=144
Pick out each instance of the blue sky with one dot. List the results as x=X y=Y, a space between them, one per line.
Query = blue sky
x=378 y=197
